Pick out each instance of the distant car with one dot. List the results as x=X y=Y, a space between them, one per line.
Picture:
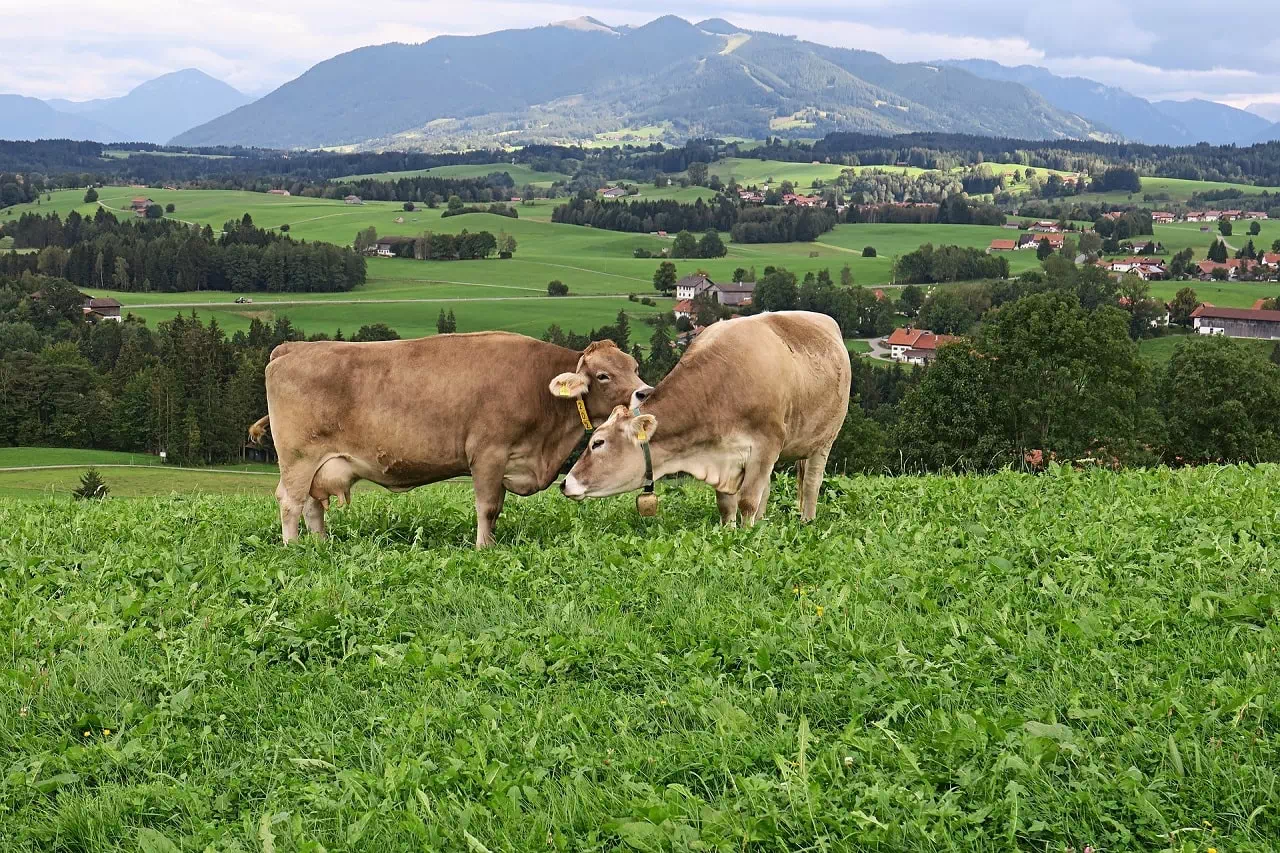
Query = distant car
x=243 y=300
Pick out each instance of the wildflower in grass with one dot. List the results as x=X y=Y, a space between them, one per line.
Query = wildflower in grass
x=1212 y=850
x=848 y=761
x=819 y=611
x=86 y=734
x=106 y=732
x=23 y=711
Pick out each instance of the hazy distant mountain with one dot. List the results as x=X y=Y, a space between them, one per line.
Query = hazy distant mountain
x=1209 y=121
x=1135 y=118
x=31 y=118
x=1271 y=112
x=159 y=109
x=578 y=77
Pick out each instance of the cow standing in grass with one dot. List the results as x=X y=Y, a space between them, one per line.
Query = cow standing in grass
x=748 y=393
x=498 y=406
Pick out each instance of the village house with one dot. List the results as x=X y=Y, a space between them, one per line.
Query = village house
x=802 y=200
x=1236 y=322
x=1255 y=214
x=278 y=192
x=915 y=346
x=1002 y=246
x=1233 y=266
x=683 y=308
x=352 y=199
x=736 y=294
x=1147 y=247
x=96 y=309
x=614 y=192
x=386 y=246
x=139 y=205
x=1045 y=226
x=1271 y=259
x=692 y=286
x=1162 y=217
x=1031 y=240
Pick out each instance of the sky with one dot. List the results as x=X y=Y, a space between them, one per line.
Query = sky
x=81 y=49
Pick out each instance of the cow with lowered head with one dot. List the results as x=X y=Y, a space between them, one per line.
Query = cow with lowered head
x=498 y=406
x=748 y=393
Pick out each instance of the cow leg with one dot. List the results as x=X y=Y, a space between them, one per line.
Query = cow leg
x=815 y=466
x=490 y=494
x=313 y=513
x=290 y=514
x=754 y=494
x=727 y=503
x=800 y=470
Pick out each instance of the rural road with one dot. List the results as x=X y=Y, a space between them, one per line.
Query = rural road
x=877 y=351
x=257 y=303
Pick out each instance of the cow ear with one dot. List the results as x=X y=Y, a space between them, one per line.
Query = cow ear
x=642 y=427
x=619 y=413
x=569 y=385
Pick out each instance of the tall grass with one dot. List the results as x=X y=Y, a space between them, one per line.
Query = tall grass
x=969 y=663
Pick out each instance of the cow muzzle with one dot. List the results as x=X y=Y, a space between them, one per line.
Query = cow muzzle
x=640 y=395
x=572 y=489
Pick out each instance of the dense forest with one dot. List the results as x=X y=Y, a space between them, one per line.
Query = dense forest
x=164 y=255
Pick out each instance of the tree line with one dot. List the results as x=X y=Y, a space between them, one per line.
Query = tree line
x=164 y=255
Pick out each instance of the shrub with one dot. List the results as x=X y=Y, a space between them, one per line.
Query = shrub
x=869 y=251
x=170 y=207
x=90 y=195
x=408 y=206
x=556 y=287
x=92 y=486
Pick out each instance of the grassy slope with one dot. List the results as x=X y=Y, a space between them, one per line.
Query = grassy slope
x=590 y=261
x=519 y=173
x=1027 y=673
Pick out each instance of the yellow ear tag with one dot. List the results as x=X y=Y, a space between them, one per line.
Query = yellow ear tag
x=642 y=436
x=564 y=389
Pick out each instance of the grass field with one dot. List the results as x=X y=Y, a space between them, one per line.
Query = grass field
x=519 y=173
x=511 y=294
x=1160 y=350
x=977 y=663
x=1235 y=294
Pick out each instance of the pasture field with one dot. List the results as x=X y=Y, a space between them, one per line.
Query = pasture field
x=1234 y=294
x=1178 y=190
x=143 y=481
x=1160 y=350
x=968 y=663
x=519 y=173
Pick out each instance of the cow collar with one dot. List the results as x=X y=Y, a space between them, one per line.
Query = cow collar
x=647 y=502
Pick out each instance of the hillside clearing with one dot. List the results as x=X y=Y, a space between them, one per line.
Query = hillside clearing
x=1025 y=674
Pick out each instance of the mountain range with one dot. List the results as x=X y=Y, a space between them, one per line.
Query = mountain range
x=581 y=77
x=154 y=111
x=1134 y=118
x=668 y=79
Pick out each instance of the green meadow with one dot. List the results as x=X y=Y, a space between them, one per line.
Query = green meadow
x=519 y=173
x=935 y=663
x=511 y=294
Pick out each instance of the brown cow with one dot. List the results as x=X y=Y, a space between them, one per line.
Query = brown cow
x=747 y=393
x=403 y=414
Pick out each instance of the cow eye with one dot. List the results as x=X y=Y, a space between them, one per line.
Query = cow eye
x=597 y=444
x=603 y=377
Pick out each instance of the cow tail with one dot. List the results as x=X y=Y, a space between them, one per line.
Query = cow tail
x=258 y=431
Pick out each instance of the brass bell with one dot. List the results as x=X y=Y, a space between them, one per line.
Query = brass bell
x=647 y=504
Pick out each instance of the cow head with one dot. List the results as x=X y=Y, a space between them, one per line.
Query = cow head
x=605 y=377
x=613 y=462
